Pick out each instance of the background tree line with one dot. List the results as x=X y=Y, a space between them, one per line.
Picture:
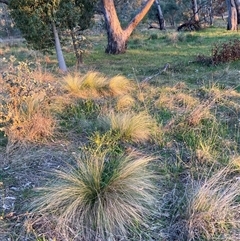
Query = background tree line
x=42 y=23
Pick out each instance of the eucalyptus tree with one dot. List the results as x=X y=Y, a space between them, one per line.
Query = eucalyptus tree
x=117 y=36
x=233 y=7
x=160 y=15
x=195 y=10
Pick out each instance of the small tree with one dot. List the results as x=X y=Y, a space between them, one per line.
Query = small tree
x=76 y=16
x=37 y=22
x=40 y=21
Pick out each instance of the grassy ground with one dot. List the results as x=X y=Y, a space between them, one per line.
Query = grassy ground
x=172 y=139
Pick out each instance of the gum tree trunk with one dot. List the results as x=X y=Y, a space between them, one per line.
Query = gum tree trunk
x=160 y=16
x=195 y=10
x=232 y=15
x=60 y=57
x=118 y=37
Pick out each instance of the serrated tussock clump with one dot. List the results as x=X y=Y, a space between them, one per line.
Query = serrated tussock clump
x=130 y=126
x=96 y=85
x=98 y=197
x=214 y=208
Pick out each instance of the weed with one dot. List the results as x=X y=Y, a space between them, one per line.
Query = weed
x=132 y=127
x=92 y=85
x=99 y=197
x=221 y=53
x=213 y=210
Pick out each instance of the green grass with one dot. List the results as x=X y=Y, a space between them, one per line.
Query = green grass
x=186 y=119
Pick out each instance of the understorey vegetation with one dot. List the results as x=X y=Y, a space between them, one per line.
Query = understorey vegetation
x=141 y=146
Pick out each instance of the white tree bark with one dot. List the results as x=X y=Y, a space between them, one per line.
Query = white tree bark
x=160 y=16
x=60 y=57
x=195 y=10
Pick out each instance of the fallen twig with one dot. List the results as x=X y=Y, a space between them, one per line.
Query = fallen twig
x=167 y=65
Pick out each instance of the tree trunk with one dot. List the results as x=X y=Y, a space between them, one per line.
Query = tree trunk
x=210 y=10
x=60 y=57
x=160 y=16
x=232 y=15
x=117 y=37
x=78 y=53
x=195 y=10
x=237 y=3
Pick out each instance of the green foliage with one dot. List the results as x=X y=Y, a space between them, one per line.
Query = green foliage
x=35 y=19
x=75 y=13
x=34 y=22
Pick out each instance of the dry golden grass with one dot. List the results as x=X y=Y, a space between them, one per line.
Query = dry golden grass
x=214 y=208
x=120 y=85
x=25 y=106
x=95 y=85
x=91 y=85
x=133 y=127
x=175 y=98
x=30 y=123
x=125 y=102
x=99 y=198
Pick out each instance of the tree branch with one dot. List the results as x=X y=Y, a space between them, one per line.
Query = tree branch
x=136 y=20
x=147 y=79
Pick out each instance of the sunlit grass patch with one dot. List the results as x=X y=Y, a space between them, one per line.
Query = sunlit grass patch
x=120 y=85
x=132 y=126
x=178 y=101
x=98 y=197
x=26 y=106
x=91 y=85
x=125 y=102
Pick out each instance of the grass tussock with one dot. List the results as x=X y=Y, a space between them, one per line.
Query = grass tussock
x=95 y=85
x=214 y=209
x=99 y=197
x=129 y=126
x=125 y=102
x=120 y=85
x=91 y=85
x=174 y=99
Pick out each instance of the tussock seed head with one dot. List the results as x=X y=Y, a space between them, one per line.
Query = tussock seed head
x=134 y=127
x=91 y=85
x=120 y=85
x=125 y=102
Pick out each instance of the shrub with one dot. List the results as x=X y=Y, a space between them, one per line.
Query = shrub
x=100 y=197
x=221 y=53
x=226 y=52
x=25 y=106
